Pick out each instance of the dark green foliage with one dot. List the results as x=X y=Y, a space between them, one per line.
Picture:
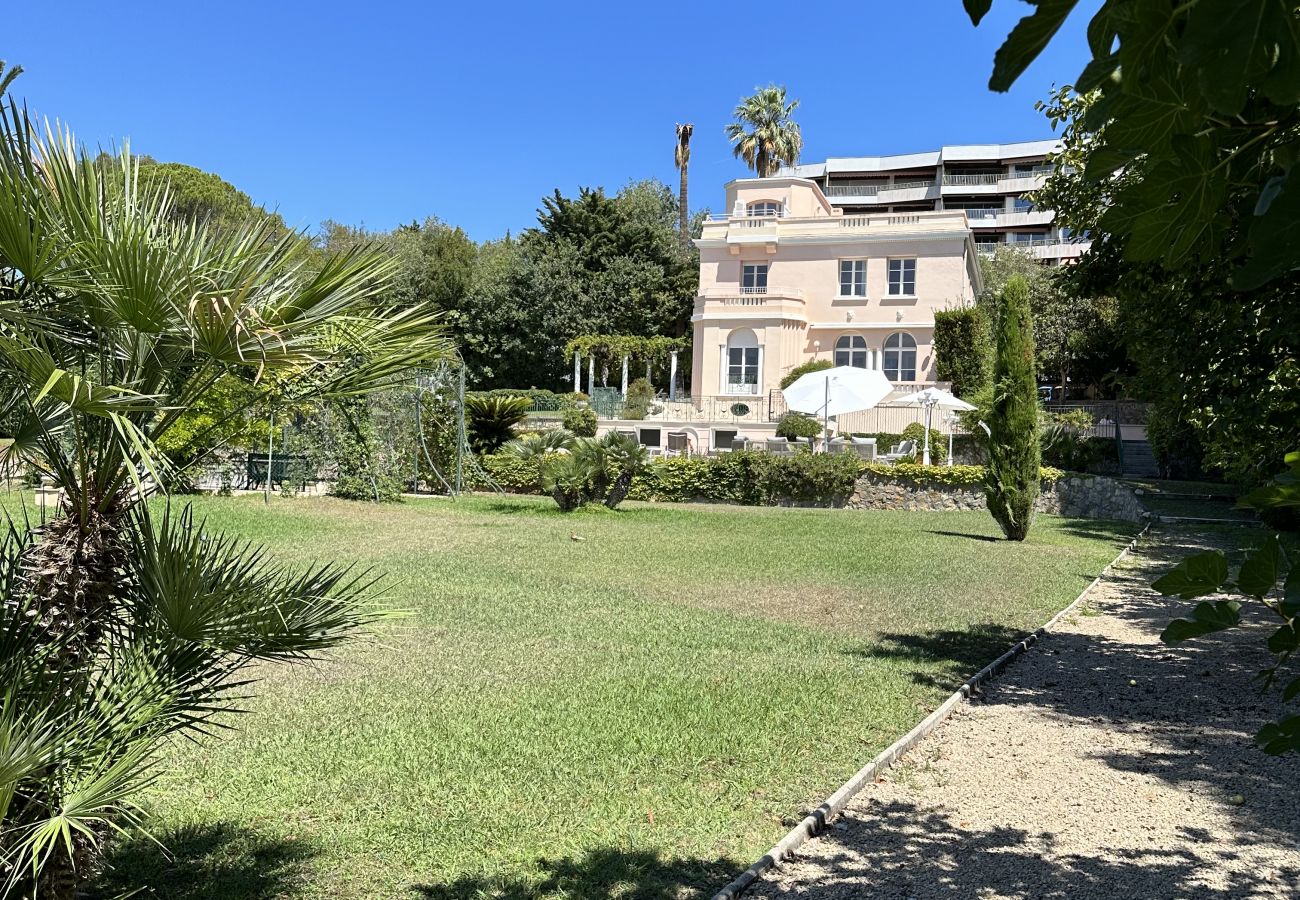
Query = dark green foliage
x=798 y=425
x=1201 y=127
x=1065 y=444
x=491 y=420
x=639 y=400
x=365 y=467
x=595 y=470
x=752 y=478
x=541 y=398
x=581 y=421
x=961 y=348
x=1176 y=445
x=514 y=473
x=812 y=365
x=821 y=479
x=202 y=196
x=1014 y=453
x=1214 y=361
x=594 y=265
x=916 y=432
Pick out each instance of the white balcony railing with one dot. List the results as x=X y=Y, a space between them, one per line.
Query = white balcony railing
x=753 y=289
x=1042 y=248
x=993 y=178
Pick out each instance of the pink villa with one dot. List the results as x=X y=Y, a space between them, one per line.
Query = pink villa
x=785 y=277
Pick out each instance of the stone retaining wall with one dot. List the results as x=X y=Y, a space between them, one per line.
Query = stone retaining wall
x=1084 y=496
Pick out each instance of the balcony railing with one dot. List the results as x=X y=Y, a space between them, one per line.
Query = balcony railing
x=992 y=178
x=871 y=190
x=753 y=289
x=1043 y=248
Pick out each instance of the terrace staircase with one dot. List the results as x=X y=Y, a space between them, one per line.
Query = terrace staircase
x=1137 y=460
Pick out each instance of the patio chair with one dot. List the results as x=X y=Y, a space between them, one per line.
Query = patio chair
x=778 y=446
x=628 y=432
x=905 y=450
x=801 y=443
x=837 y=445
x=740 y=443
x=865 y=448
x=678 y=442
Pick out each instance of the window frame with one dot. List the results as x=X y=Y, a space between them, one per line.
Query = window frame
x=855 y=344
x=771 y=209
x=857 y=279
x=899 y=354
x=902 y=281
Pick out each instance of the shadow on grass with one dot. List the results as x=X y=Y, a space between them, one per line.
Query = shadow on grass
x=205 y=862
x=1099 y=529
x=601 y=873
x=960 y=653
x=987 y=538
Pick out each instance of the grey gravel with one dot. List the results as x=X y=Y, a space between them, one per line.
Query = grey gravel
x=1100 y=764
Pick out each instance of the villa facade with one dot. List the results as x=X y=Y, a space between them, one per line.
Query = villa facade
x=786 y=276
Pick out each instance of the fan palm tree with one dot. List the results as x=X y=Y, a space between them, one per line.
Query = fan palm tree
x=121 y=625
x=682 y=158
x=764 y=135
x=7 y=76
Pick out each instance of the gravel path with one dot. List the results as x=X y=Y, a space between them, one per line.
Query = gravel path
x=1101 y=764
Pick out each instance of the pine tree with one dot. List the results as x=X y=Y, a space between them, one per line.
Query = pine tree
x=1014 y=455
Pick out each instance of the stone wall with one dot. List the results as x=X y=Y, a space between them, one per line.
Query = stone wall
x=1084 y=496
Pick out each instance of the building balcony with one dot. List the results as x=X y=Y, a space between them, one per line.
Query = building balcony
x=750 y=303
x=738 y=232
x=1002 y=183
x=996 y=218
x=1044 y=248
x=899 y=192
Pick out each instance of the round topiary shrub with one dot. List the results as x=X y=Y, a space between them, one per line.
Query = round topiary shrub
x=797 y=425
x=916 y=432
x=581 y=422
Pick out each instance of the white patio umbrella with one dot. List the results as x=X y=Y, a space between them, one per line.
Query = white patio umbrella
x=830 y=392
x=932 y=398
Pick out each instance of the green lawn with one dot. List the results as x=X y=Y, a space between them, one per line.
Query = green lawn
x=650 y=706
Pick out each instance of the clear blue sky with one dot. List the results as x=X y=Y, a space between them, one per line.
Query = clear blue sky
x=386 y=111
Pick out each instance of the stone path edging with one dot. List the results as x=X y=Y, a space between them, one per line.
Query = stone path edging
x=815 y=822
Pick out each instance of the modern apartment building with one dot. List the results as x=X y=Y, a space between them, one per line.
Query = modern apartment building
x=787 y=276
x=987 y=181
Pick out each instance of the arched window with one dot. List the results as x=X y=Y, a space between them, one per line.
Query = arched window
x=763 y=208
x=742 y=362
x=851 y=350
x=900 y=357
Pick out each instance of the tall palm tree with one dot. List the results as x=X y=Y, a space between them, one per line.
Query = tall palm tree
x=764 y=135
x=121 y=625
x=682 y=158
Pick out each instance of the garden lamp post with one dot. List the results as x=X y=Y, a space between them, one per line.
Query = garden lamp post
x=929 y=403
x=952 y=426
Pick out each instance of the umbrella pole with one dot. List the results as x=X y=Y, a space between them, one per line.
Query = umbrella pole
x=826 y=419
x=925 y=456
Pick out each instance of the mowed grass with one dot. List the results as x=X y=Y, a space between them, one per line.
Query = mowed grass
x=650 y=706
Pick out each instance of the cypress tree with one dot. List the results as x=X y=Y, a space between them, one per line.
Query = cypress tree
x=1011 y=485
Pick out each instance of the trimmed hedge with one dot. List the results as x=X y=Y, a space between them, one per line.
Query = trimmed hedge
x=752 y=477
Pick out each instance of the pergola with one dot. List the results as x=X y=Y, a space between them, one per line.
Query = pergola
x=652 y=350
